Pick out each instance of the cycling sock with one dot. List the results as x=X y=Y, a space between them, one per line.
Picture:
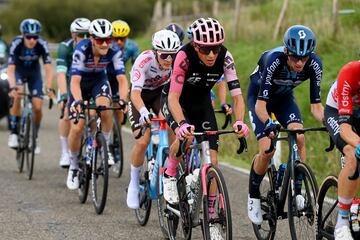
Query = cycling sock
x=64 y=145
x=254 y=184
x=107 y=137
x=343 y=212
x=171 y=168
x=74 y=163
x=211 y=205
x=13 y=124
x=135 y=177
x=37 y=127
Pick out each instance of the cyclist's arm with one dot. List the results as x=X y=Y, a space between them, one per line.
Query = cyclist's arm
x=61 y=80
x=317 y=110
x=62 y=68
x=136 y=99
x=261 y=111
x=119 y=69
x=48 y=74
x=349 y=136
x=75 y=87
x=123 y=86
x=221 y=89
x=11 y=75
x=181 y=65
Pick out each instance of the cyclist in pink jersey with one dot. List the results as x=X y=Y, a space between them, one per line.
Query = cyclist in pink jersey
x=150 y=72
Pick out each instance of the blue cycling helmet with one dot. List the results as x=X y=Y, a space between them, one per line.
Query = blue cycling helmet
x=300 y=40
x=176 y=29
x=31 y=26
x=189 y=33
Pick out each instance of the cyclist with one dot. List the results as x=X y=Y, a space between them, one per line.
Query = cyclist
x=150 y=72
x=24 y=66
x=280 y=70
x=89 y=80
x=79 y=30
x=342 y=119
x=4 y=51
x=186 y=99
x=128 y=46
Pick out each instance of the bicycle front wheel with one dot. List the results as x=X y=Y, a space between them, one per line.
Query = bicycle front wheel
x=30 y=145
x=20 y=153
x=302 y=207
x=117 y=149
x=100 y=173
x=84 y=172
x=217 y=222
x=326 y=208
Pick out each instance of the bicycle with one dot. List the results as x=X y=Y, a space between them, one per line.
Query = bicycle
x=27 y=135
x=116 y=146
x=151 y=187
x=193 y=201
x=93 y=164
x=298 y=178
x=327 y=202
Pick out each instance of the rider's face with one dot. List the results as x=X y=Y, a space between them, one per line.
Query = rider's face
x=30 y=40
x=208 y=54
x=101 y=45
x=165 y=59
x=296 y=63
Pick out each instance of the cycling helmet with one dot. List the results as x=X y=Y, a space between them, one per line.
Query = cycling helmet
x=176 y=29
x=189 y=33
x=31 y=26
x=100 y=28
x=299 y=40
x=207 y=32
x=120 y=28
x=166 y=40
x=80 y=25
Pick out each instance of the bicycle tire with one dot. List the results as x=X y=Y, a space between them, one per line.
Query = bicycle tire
x=84 y=173
x=161 y=203
x=222 y=207
x=307 y=216
x=326 y=219
x=267 y=229
x=143 y=212
x=117 y=149
x=100 y=169
x=31 y=145
x=20 y=153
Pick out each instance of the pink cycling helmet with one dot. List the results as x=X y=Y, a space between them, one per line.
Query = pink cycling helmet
x=207 y=32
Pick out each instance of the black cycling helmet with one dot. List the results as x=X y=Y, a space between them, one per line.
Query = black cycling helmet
x=300 y=40
x=176 y=29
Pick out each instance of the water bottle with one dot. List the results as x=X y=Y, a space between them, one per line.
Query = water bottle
x=194 y=182
x=354 y=209
x=190 y=196
x=154 y=180
x=155 y=126
x=280 y=175
x=89 y=151
x=151 y=165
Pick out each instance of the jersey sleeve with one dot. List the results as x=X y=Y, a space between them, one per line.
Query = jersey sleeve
x=12 y=52
x=315 y=79
x=230 y=75
x=46 y=52
x=78 y=63
x=180 y=68
x=134 y=53
x=138 y=71
x=271 y=65
x=61 y=65
x=118 y=63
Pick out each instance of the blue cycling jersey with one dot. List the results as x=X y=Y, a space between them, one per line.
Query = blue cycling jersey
x=83 y=61
x=27 y=59
x=273 y=76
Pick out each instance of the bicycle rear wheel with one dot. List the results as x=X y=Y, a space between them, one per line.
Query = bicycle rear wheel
x=30 y=145
x=326 y=208
x=302 y=221
x=161 y=203
x=217 y=225
x=116 y=149
x=143 y=212
x=84 y=174
x=267 y=229
x=100 y=173
x=20 y=153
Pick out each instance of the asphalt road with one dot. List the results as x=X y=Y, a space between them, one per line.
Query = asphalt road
x=44 y=208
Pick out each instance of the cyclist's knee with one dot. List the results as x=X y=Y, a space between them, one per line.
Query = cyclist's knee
x=142 y=143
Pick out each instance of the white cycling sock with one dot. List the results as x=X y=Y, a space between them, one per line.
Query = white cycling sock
x=64 y=145
x=343 y=212
x=74 y=161
x=107 y=137
x=135 y=177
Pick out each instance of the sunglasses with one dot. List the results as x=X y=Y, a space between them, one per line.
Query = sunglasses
x=35 y=37
x=164 y=55
x=297 y=58
x=116 y=39
x=82 y=35
x=207 y=49
x=101 y=41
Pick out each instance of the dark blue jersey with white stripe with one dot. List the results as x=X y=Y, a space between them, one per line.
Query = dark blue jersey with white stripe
x=273 y=75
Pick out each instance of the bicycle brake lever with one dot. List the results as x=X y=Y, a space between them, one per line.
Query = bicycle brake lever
x=243 y=146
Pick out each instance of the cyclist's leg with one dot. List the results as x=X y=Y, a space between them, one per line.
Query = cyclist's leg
x=137 y=157
x=64 y=129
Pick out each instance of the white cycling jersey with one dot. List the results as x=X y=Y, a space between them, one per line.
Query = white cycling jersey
x=147 y=73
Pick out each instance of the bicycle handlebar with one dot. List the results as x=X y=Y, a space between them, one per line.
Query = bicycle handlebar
x=227 y=117
x=146 y=126
x=97 y=109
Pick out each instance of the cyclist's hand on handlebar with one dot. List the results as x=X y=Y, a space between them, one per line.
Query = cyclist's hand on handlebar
x=51 y=92
x=13 y=92
x=124 y=104
x=145 y=116
x=241 y=128
x=76 y=106
x=226 y=108
x=271 y=128
x=185 y=130
x=62 y=102
x=357 y=151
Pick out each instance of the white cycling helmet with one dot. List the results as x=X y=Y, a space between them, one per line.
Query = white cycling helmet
x=80 y=25
x=100 y=28
x=166 y=40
